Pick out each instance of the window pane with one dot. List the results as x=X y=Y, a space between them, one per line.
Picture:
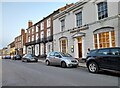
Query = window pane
x=104 y=52
x=95 y=41
x=79 y=19
x=102 y=10
x=113 y=38
x=63 y=46
x=62 y=25
x=104 y=39
x=115 y=51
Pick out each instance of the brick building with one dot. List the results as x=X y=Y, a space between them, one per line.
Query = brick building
x=11 y=49
x=20 y=43
x=40 y=35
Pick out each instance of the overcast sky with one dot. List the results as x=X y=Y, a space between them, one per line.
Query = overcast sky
x=15 y=15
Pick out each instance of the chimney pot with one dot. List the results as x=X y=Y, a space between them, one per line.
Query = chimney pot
x=30 y=23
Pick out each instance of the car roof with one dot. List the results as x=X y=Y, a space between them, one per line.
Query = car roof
x=54 y=52
x=106 y=48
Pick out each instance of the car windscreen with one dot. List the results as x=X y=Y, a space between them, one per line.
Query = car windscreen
x=30 y=55
x=92 y=51
x=65 y=55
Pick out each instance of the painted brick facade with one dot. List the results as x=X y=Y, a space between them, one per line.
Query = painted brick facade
x=80 y=38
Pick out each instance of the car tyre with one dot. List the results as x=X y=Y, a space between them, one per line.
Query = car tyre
x=63 y=65
x=93 y=67
x=36 y=60
x=47 y=63
x=27 y=61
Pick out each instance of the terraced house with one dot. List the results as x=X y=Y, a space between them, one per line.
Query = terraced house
x=20 y=43
x=89 y=24
x=40 y=35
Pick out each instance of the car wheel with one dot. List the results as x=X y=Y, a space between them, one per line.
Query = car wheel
x=27 y=60
x=36 y=60
x=93 y=67
x=47 y=63
x=63 y=65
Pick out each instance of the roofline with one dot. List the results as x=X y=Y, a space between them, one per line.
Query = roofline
x=77 y=4
x=54 y=12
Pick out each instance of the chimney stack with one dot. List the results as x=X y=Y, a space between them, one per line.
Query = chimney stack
x=30 y=23
x=22 y=31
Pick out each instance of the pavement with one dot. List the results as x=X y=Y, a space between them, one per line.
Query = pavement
x=81 y=64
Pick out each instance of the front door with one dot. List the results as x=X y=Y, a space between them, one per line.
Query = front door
x=80 y=50
x=80 y=47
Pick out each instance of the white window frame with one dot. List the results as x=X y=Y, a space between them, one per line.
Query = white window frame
x=48 y=32
x=42 y=34
x=32 y=37
x=102 y=11
x=29 y=39
x=28 y=32
x=66 y=44
x=110 y=39
x=42 y=49
x=37 y=28
x=48 y=22
x=42 y=26
x=80 y=20
x=37 y=36
x=32 y=30
x=62 y=24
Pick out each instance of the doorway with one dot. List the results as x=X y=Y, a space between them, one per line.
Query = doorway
x=80 y=47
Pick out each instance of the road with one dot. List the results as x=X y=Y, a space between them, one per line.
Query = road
x=17 y=73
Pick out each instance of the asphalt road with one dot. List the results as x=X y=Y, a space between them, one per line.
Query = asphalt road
x=17 y=73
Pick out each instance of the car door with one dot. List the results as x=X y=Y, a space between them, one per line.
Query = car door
x=57 y=58
x=103 y=58
x=115 y=59
x=51 y=58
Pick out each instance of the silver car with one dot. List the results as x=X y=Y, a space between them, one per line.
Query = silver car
x=62 y=59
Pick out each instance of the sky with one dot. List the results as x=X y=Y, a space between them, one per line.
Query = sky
x=15 y=16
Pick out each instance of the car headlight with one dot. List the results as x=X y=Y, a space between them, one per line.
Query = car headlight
x=77 y=61
x=68 y=61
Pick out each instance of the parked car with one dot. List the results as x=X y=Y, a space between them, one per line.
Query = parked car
x=103 y=59
x=17 y=57
x=7 y=57
x=29 y=58
x=3 y=57
x=62 y=59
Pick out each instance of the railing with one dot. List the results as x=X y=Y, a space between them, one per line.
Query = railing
x=40 y=40
x=43 y=40
x=30 y=43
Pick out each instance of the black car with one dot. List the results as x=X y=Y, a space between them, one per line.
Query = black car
x=103 y=59
x=17 y=57
x=29 y=58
